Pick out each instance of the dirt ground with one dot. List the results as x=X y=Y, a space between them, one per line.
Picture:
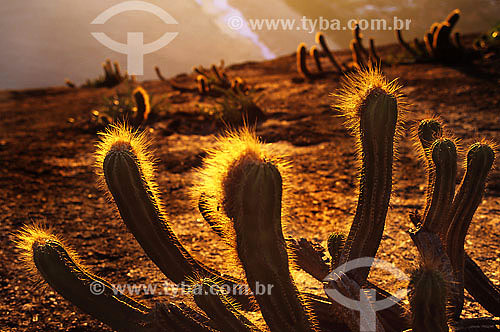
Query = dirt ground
x=46 y=174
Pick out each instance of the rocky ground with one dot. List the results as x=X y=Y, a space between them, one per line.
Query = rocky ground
x=46 y=174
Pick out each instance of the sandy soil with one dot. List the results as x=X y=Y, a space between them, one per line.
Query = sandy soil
x=46 y=174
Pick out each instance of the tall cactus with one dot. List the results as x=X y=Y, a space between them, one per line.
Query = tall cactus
x=250 y=192
x=371 y=106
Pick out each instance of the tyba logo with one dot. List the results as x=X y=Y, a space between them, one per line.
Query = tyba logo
x=135 y=47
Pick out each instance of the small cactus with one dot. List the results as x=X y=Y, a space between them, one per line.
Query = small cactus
x=142 y=103
x=301 y=61
x=335 y=245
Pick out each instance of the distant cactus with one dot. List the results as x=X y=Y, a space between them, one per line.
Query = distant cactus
x=142 y=103
x=437 y=43
x=112 y=76
x=302 y=62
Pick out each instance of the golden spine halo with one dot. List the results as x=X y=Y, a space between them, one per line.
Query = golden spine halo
x=230 y=149
x=38 y=234
x=121 y=137
x=355 y=89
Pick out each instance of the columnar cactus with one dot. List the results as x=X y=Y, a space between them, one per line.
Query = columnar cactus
x=301 y=61
x=240 y=191
x=320 y=39
x=250 y=193
x=480 y=159
x=143 y=105
x=371 y=106
x=449 y=215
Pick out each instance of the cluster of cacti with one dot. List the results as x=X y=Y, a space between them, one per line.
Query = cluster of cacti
x=132 y=107
x=112 y=76
x=213 y=81
x=361 y=58
x=242 y=191
x=438 y=43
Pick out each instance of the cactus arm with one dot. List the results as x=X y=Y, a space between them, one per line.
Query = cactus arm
x=357 y=57
x=377 y=123
x=356 y=33
x=204 y=211
x=320 y=39
x=428 y=131
x=253 y=202
x=315 y=54
x=60 y=268
x=480 y=159
x=140 y=209
x=209 y=297
x=453 y=18
x=373 y=56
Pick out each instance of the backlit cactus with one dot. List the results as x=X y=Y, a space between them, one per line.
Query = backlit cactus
x=142 y=103
x=372 y=107
x=448 y=214
x=438 y=41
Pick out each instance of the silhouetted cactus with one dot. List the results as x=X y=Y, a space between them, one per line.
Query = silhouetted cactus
x=438 y=44
x=371 y=106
